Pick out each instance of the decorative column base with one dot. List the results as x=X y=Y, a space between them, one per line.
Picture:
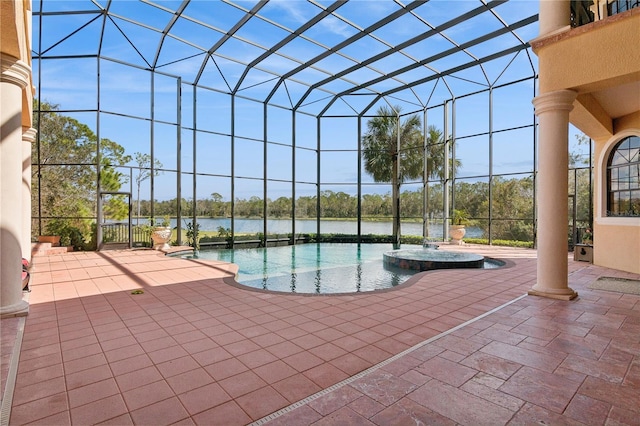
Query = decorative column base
x=552 y=293
x=20 y=309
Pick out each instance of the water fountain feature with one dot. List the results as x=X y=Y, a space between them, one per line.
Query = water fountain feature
x=430 y=257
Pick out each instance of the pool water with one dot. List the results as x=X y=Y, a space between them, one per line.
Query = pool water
x=322 y=268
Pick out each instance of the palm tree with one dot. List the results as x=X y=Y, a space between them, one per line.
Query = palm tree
x=435 y=156
x=435 y=153
x=392 y=152
x=144 y=173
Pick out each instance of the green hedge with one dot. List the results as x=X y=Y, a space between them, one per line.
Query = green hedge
x=505 y=243
x=366 y=239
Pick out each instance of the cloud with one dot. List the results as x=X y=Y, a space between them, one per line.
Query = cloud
x=301 y=16
x=335 y=26
x=292 y=8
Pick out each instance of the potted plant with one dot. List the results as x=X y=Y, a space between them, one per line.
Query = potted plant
x=54 y=233
x=587 y=237
x=459 y=220
x=161 y=233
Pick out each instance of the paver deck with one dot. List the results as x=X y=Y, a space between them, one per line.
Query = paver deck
x=450 y=347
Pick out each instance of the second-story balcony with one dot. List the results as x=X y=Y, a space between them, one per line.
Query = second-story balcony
x=599 y=58
x=587 y=11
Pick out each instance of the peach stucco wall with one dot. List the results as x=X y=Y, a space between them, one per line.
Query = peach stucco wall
x=616 y=240
x=617 y=246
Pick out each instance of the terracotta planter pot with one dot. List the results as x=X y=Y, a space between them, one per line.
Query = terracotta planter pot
x=161 y=237
x=53 y=239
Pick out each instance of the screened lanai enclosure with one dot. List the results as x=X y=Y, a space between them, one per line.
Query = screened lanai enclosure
x=252 y=118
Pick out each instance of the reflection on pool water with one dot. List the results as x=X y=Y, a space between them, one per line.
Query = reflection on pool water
x=322 y=268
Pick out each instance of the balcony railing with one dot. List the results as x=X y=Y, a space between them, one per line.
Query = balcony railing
x=587 y=11
x=581 y=12
x=619 y=6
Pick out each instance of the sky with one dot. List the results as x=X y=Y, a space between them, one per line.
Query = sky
x=136 y=108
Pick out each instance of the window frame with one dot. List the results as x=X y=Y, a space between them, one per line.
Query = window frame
x=631 y=182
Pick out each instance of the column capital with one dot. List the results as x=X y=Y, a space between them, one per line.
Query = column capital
x=560 y=100
x=15 y=71
x=29 y=134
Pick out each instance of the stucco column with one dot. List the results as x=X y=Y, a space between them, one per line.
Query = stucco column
x=553 y=110
x=554 y=15
x=28 y=138
x=15 y=75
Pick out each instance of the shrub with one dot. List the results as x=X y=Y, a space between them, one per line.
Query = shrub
x=193 y=235
x=69 y=234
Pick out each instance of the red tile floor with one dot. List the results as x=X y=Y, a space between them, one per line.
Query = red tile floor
x=449 y=347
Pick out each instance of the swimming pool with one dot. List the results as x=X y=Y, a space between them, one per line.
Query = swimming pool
x=322 y=268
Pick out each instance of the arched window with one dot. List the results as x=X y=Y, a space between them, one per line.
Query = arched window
x=623 y=178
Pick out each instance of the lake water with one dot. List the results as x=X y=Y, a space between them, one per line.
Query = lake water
x=304 y=226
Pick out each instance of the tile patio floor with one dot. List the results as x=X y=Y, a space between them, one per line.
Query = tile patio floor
x=450 y=347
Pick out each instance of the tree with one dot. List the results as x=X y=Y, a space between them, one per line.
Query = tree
x=392 y=152
x=111 y=180
x=436 y=155
x=337 y=204
x=306 y=207
x=217 y=208
x=581 y=181
x=65 y=176
x=473 y=198
x=576 y=157
x=144 y=173
x=375 y=205
x=411 y=203
x=280 y=207
x=512 y=208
